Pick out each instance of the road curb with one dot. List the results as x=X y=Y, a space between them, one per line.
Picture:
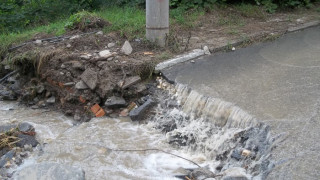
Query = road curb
x=303 y=26
x=199 y=52
x=179 y=59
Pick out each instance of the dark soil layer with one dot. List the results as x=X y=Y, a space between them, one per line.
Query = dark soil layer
x=77 y=72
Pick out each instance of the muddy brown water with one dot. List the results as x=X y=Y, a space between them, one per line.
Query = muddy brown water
x=88 y=145
x=211 y=132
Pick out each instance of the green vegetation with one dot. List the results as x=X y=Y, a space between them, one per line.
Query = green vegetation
x=185 y=18
x=20 y=20
x=250 y=11
x=128 y=21
x=16 y=15
x=6 y=39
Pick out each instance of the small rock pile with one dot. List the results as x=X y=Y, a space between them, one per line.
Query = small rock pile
x=16 y=142
x=85 y=83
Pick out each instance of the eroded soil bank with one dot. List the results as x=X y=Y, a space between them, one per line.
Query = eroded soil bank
x=75 y=73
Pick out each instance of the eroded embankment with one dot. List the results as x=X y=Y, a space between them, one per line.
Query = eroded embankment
x=76 y=72
x=232 y=141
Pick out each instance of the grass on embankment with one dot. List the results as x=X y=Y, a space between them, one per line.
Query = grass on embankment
x=129 y=22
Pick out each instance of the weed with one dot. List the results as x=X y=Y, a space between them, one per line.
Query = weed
x=85 y=20
x=228 y=47
x=231 y=20
x=164 y=56
x=145 y=70
x=7 y=39
x=185 y=18
x=233 y=31
x=271 y=37
x=9 y=138
x=129 y=22
x=26 y=62
x=173 y=42
x=251 y=11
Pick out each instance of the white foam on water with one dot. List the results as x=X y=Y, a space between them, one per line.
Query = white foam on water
x=88 y=146
x=8 y=105
x=105 y=147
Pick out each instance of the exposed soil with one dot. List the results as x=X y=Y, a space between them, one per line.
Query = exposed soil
x=51 y=67
x=229 y=25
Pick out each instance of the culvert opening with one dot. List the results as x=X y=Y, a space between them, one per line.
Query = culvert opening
x=235 y=144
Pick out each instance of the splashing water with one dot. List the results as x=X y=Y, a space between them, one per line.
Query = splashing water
x=202 y=129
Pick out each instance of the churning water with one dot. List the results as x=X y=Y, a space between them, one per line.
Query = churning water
x=205 y=130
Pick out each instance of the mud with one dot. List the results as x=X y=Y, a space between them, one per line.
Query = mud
x=77 y=72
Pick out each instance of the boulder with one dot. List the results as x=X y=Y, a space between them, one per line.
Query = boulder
x=38 y=41
x=7 y=157
x=86 y=56
x=81 y=85
x=201 y=173
x=90 y=78
x=129 y=82
x=115 y=102
x=50 y=171
x=105 y=53
x=236 y=154
x=26 y=140
x=111 y=45
x=40 y=89
x=99 y=33
x=51 y=100
x=235 y=173
x=77 y=65
x=206 y=50
x=140 y=88
x=138 y=113
x=126 y=48
x=24 y=127
x=7 y=95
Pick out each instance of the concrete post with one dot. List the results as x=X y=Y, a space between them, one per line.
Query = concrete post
x=157 y=21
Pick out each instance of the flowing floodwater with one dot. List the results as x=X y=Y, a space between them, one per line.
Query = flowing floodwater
x=88 y=145
x=204 y=130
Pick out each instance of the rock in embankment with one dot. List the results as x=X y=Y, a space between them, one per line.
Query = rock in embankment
x=6 y=94
x=138 y=113
x=90 y=78
x=126 y=48
x=115 y=102
x=235 y=173
x=49 y=171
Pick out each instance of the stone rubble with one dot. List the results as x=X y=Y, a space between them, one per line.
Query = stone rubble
x=111 y=45
x=51 y=100
x=104 y=53
x=115 y=102
x=129 y=82
x=81 y=85
x=206 y=50
x=126 y=48
x=90 y=78
x=138 y=113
